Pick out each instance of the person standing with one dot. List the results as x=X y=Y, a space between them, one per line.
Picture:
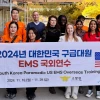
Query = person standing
x=21 y=30
x=31 y=37
x=12 y=37
x=79 y=31
x=39 y=26
x=98 y=21
x=62 y=21
x=70 y=36
x=93 y=35
x=82 y=18
x=51 y=34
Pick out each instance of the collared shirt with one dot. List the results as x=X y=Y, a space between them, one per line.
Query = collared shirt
x=36 y=23
x=81 y=33
x=40 y=27
x=92 y=37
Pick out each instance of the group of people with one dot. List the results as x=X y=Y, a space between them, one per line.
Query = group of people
x=56 y=30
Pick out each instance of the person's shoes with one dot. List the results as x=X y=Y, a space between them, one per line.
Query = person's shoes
x=52 y=90
x=12 y=96
x=31 y=97
x=89 y=93
x=67 y=95
x=81 y=90
x=7 y=95
x=98 y=95
x=74 y=96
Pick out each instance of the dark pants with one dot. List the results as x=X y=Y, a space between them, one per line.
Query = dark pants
x=30 y=91
x=97 y=88
x=12 y=90
x=62 y=89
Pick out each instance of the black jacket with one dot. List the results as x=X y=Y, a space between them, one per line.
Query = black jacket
x=51 y=35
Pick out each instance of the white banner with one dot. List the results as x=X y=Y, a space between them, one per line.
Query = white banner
x=49 y=64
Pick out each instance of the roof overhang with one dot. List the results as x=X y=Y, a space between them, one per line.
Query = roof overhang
x=7 y=6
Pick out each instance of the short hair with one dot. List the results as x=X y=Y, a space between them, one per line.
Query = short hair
x=81 y=17
x=78 y=21
x=60 y=17
x=98 y=16
x=14 y=9
x=13 y=22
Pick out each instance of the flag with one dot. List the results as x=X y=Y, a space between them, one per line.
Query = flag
x=97 y=59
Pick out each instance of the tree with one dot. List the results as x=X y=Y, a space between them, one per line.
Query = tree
x=90 y=8
x=50 y=9
x=70 y=10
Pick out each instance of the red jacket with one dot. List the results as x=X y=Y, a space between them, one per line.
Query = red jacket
x=92 y=38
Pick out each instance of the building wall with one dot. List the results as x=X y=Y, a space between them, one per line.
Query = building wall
x=1 y=18
x=4 y=17
x=47 y=0
x=59 y=0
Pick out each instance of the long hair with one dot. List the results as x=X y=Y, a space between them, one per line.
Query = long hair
x=35 y=32
x=78 y=21
x=67 y=35
x=13 y=22
x=96 y=30
x=48 y=24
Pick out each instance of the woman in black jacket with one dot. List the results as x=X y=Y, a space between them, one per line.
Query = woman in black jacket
x=52 y=30
x=51 y=34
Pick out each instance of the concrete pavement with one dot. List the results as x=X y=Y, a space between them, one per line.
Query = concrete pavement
x=43 y=94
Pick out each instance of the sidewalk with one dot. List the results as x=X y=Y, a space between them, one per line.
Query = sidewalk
x=43 y=94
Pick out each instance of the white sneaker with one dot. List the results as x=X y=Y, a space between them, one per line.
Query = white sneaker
x=74 y=96
x=89 y=93
x=67 y=95
x=98 y=95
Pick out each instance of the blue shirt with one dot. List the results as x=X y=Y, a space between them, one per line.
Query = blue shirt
x=40 y=27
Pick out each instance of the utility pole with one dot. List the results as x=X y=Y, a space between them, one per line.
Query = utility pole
x=27 y=14
x=10 y=7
